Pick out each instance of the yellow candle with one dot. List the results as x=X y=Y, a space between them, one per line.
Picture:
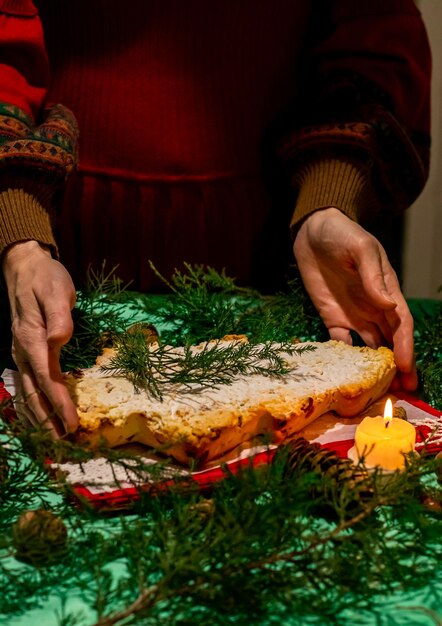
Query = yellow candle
x=383 y=441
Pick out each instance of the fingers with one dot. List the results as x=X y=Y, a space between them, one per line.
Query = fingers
x=393 y=318
x=340 y=334
x=59 y=324
x=373 y=265
x=41 y=295
x=406 y=377
x=391 y=328
x=33 y=399
x=57 y=393
x=369 y=333
x=401 y=322
x=357 y=289
x=45 y=393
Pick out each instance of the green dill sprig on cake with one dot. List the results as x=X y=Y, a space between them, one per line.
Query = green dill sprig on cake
x=155 y=367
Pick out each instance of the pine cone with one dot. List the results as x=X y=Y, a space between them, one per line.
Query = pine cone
x=340 y=475
x=306 y=456
x=431 y=503
x=400 y=413
x=149 y=331
x=40 y=537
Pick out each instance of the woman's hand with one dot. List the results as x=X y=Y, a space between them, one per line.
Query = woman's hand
x=353 y=286
x=41 y=295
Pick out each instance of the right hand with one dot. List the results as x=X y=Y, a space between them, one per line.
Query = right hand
x=41 y=296
x=353 y=286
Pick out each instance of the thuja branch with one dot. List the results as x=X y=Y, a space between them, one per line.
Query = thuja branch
x=146 y=598
x=154 y=368
x=100 y=314
x=340 y=528
x=165 y=590
x=428 y=345
x=203 y=304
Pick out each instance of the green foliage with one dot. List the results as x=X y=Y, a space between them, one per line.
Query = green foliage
x=213 y=363
x=308 y=539
x=428 y=345
x=100 y=314
x=205 y=304
x=285 y=543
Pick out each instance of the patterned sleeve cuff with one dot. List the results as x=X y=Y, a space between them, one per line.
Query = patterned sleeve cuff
x=34 y=164
x=47 y=152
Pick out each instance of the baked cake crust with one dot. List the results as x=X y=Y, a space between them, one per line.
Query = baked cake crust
x=204 y=426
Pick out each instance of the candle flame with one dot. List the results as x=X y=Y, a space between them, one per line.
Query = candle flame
x=388 y=412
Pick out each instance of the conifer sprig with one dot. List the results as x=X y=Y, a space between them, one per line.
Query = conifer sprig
x=204 y=303
x=155 y=368
x=428 y=346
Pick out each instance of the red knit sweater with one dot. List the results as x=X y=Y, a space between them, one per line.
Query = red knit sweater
x=176 y=104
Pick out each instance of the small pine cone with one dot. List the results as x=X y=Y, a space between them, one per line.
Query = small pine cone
x=400 y=413
x=304 y=457
x=39 y=537
x=204 y=508
x=148 y=330
x=307 y=456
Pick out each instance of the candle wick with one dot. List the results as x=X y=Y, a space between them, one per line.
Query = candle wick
x=387 y=423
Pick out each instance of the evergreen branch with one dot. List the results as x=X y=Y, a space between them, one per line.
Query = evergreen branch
x=214 y=363
x=435 y=617
x=344 y=525
x=165 y=590
x=428 y=347
x=203 y=304
x=151 y=595
x=100 y=314
x=142 y=602
x=297 y=541
x=201 y=280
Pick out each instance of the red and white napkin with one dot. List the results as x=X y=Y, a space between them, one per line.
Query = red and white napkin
x=112 y=486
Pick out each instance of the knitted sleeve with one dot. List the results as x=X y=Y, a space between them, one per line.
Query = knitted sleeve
x=361 y=137
x=38 y=143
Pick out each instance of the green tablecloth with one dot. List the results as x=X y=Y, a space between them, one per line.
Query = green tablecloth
x=421 y=609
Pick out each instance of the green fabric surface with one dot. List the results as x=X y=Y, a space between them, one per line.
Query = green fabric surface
x=420 y=610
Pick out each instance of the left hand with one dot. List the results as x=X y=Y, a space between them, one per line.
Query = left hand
x=41 y=295
x=354 y=287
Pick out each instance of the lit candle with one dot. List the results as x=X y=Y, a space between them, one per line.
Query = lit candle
x=383 y=441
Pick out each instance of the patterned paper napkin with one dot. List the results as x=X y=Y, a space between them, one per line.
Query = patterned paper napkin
x=111 y=486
